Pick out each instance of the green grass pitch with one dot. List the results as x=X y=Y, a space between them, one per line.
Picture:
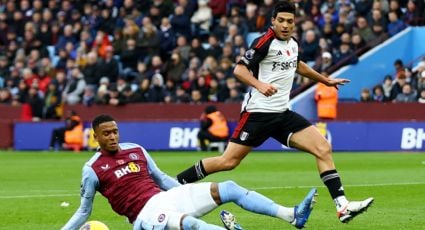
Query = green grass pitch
x=33 y=185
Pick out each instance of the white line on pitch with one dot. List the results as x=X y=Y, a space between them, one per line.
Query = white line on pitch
x=255 y=188
x=37 y=196
x=353 y=185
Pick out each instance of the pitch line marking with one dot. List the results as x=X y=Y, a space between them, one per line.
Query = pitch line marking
x=254 y=188
x=36 y=196
x=353 y=185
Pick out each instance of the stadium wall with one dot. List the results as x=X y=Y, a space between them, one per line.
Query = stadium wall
x=407 y=45
x=344 y=136
x=158 y=114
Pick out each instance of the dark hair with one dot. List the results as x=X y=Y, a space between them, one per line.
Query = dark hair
x=101 y=119
x=283 y=6
x=210 y=109
x=398 y=62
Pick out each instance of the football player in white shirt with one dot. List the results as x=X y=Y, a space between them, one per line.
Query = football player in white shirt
x=269 y=67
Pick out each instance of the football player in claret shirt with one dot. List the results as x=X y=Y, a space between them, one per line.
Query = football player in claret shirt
x=269 y=67
x=135 y=187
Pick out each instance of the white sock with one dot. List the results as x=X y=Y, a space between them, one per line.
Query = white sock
x=285 y=213
x=340 y=202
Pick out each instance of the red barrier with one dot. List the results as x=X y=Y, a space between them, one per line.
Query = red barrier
x=154 y=111
x=186 y=112
x=381 y=111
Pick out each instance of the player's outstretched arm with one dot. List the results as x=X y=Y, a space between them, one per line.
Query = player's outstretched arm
x=309 y=72
x=164 y=181
x=89 y=183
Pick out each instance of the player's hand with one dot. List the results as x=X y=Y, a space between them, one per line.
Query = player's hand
x=266 y=89
x=335 y=82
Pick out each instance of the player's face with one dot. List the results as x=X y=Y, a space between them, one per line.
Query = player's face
x=107 y=136
x=283 y=25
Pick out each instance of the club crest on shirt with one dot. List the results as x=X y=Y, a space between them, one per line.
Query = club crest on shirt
x=133 y=156
x=161 y=218
x=244 y=135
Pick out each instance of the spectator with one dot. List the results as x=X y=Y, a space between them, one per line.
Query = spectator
x=181 y=23
x=358 y=44
x=218 y=9
x=421 y=80
x=129 y=57
x=183 y=48
x=412 y=14
x=201 y=19
x=395 y=7
x=310 y=48
x=119 y=41
x=378 y=94
x=364 y=30
x=142 y=92
x=365 y=95
x=421 y=98
x=387 y=86
x=214 y=48
x=196 y=97
x=128 y=94
x=36 y=103
x=68 y=36
x=148 y=39
x=407 y=94
x=89 y=96
x=399 y=67
x=213 y=127
x=345 y=56
x=5 y=96
x=114 y=97
x=234 y=96
x=157 y=90
x=52 y=102
x=325 y=63
x=398 y=86
x=167 y=38
x=175 y=68
x=196 y=49
x=395 y=24
x=222 y=28
x=108 y=66
x=74 y=88
x=181 y=96
x=4 y=68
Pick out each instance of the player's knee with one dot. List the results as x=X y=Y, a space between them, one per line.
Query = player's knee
x=324 y=150
x=230 y=191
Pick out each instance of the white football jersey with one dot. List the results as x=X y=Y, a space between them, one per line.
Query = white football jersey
x=271 y=61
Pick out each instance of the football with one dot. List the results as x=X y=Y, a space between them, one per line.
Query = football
x=94 y=225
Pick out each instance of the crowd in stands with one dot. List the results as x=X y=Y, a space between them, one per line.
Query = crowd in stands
x=114 y=52
x=407 y=85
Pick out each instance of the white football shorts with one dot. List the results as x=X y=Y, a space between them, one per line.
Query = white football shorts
x=166 y=208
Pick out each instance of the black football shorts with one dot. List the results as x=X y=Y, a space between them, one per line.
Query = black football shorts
x=255 y=128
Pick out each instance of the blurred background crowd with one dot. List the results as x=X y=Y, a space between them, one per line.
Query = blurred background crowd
x=114 y=52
